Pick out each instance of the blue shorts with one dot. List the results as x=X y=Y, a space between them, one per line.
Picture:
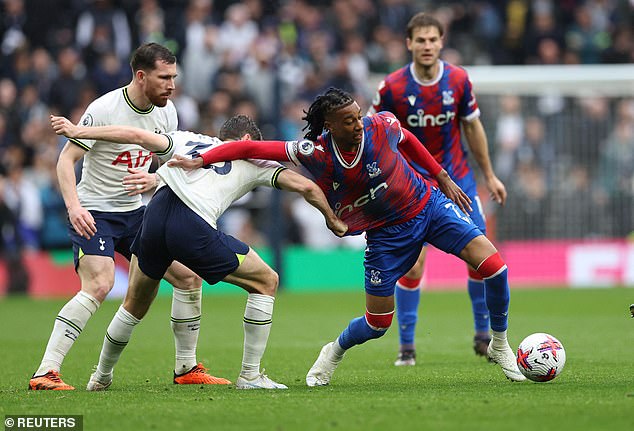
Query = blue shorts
x=115 y=232
x=172 y=231
x=477 y=214
x=391 y=251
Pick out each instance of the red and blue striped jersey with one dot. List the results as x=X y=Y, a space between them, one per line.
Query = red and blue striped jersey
x=431 y=111
x=377 y=188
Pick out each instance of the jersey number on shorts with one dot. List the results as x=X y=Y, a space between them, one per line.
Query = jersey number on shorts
x=458 y=212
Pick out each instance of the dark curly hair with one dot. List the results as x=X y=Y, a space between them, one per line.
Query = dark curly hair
x=332 y=100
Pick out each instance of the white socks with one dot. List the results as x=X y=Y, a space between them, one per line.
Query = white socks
x=68 y=325
x=257 y=326
x=117 y=336
x=185 y=323
x=498 y=340
x=337 y=351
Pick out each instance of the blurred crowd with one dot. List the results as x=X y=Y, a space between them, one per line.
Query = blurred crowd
x=268 y=59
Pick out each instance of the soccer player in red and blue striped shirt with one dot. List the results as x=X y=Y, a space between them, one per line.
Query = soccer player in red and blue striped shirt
x=361 y=165
x=433 y=99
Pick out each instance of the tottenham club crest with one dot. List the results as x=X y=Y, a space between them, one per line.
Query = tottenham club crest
x=87 y=120
x=373 y=169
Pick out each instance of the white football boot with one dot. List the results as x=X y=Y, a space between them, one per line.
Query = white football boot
x=321 y=371
x=262 y=381
x=505 y=358
x=98 y=383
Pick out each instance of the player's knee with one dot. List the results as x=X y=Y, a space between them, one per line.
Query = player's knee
x=491 y=266
x=268 y=283
x=379 y=322
x=98 y=287
x=190 y=281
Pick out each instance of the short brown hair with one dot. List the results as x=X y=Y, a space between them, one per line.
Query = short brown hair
x=238 y=126
x=146 y=56
x=422 y=19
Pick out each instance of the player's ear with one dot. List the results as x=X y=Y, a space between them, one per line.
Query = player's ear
x=246 y=137
x=140 y=75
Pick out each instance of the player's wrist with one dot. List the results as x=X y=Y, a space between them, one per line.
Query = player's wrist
x=442 y=175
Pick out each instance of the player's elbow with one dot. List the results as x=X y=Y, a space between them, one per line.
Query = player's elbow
x=308 y=189
x=136 y=137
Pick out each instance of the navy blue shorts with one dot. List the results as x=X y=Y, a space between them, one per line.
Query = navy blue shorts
x=172 y=231
x=115 y=232
x=391 y=251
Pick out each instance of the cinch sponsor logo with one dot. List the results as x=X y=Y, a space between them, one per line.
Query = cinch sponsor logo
x=423 y=120
x=362 y=200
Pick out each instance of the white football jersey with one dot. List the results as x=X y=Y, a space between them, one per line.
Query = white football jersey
x=106 y=163
x=210 y=190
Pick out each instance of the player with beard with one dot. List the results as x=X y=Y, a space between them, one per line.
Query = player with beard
x=105 y=212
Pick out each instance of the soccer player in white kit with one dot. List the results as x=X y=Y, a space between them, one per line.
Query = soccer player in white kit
x=105 y=212
x=180 y=223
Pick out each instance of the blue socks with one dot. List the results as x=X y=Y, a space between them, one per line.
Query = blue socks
x=358 y=332
x=407 y=301
x=497 y=299
x=478 y=305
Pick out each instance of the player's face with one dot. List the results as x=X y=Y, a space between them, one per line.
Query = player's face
x=346 y=125
x=425 y=45
x=158 y=84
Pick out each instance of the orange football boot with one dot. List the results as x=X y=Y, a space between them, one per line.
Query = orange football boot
x=198 y=376
x=49 y=382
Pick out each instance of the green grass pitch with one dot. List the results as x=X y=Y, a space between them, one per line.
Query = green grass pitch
x=449 y=389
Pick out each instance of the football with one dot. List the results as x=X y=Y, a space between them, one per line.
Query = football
x=541 y=357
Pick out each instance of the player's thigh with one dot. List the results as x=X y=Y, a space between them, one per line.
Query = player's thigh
x=181 y=277
x=97 y=275
x=141 y=292
x=417 y=270
x=450 y=229
x=390 y=252
x=254 y=275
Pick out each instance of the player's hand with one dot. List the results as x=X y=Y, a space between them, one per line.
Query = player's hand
x=496 y=189
x=453 y=192
x=186 y=163
x=63 y=126
x=82 y=221
x=138 y=182
x=337 y=227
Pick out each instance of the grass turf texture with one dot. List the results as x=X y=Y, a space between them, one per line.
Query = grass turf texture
x=449 y=388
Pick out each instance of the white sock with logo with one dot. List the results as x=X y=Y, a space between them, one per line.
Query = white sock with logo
x=257 y=327
x=117 y=336
x=185 y=323
x=68 y=325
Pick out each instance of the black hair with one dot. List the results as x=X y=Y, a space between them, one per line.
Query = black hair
x=332 y=100
x=422 y=19
x=238 y=126
x=146 y=56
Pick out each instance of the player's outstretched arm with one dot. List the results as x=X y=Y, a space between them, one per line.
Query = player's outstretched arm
x=121 y=134
x=294 y=182
x=235 y=150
